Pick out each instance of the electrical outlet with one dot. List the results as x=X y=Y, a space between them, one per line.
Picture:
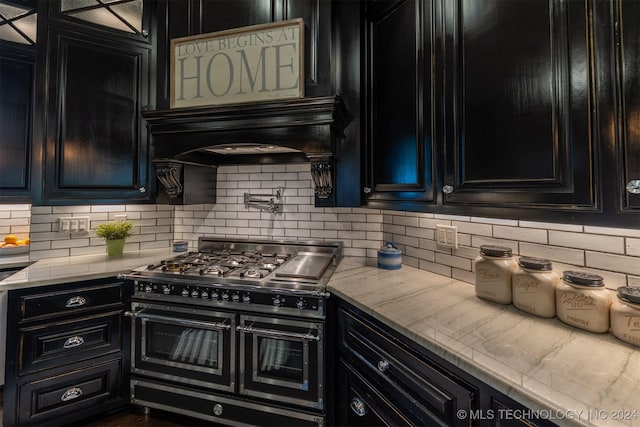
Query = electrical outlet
x=447 y=235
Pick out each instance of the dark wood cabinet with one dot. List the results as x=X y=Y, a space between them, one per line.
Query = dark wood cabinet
x=399 y=102
x=628 y=152
x=16 y=113
x=385 y=379
x=518 y=105
x=506 y=110
x=95 y=83
x=67 y=352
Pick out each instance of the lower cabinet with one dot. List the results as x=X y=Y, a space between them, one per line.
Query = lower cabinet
x=67 y=353
x=384 y=379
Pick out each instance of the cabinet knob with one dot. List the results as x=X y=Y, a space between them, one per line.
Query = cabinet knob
x=367 y=190
x=142 y=189
x=358 y=407
x=383 y=365
x=217 y=409
x=447 y=189
x=633 y=186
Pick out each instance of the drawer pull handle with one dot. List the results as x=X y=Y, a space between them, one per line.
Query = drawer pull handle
x=72 y=393
x=358 y=407
x=383 y=365
x=72 y=342
x=76 y=301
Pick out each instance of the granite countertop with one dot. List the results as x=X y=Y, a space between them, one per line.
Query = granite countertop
x=541 y=363
x=71 y=269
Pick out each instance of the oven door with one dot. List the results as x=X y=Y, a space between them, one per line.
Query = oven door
x=185 y=345
x=282 y=360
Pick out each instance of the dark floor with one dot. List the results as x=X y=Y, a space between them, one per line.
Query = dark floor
x=155 y=418
x=135 y=418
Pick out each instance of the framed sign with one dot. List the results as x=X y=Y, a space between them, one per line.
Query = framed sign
x=256 y=63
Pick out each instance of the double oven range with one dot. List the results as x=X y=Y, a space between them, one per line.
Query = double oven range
x=234 y=333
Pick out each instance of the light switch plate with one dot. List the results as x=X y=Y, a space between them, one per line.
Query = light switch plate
x=447 y=235
x=73 y=224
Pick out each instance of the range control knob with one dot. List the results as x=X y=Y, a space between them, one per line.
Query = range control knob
x=246 y=298
x=195 y=293
x=204 y=294
x=235 y=297
x=215 y=295
x=185 y=292
x=301 y=304
x=278 y=301
x=225 y=296
x=166 y=289
x=217 y=409
x=148 y=288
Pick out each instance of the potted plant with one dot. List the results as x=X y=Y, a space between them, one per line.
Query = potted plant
x=114 y=233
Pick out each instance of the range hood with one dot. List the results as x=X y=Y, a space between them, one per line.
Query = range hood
x=282 y=131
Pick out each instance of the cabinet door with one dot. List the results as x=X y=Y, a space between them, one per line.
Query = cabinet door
x=16 y=106
x=96 y=146
x=399 y=116
x=518 y=113
x=629 y=150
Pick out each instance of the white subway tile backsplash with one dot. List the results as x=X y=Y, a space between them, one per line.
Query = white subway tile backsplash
x=496 y=221
x=611 y=252
x=553 y=253
x=633 y=247
x=453 y=261
x=552 y=226
x=620 y=263
x=587 y=241
x=522 y=234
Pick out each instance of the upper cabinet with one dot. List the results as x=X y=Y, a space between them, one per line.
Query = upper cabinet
x=628 y=61
x=527 y=107
x=399 y=99
x=17 y=68
x=95 y=77
x=518 y=95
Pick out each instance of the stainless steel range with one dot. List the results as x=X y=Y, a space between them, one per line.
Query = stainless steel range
x=234 y=333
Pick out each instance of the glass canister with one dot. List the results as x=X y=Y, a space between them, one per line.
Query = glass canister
x=582 y=301
x=534 y=286
x=625 y=315
x=493 y=268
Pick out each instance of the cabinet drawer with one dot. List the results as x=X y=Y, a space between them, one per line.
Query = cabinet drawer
x=78 y=300
x=410 y=378
x=362 y=404
x=62 y=398
x=61 y=343
x=218 y=409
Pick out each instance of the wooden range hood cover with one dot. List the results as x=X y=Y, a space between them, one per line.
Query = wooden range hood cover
x=306 y=128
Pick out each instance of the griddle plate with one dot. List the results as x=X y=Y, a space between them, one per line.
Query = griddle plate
x=305 y=265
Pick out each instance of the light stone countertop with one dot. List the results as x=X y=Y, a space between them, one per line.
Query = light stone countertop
x=54 y=271
x=541 y=363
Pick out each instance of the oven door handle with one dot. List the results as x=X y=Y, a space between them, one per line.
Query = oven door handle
x=278 y=334
x=182 y=322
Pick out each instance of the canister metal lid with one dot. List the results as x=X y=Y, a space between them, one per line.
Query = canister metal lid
x=496 y=251
x=629 y=294
x=583 y=279
x=535 y=263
